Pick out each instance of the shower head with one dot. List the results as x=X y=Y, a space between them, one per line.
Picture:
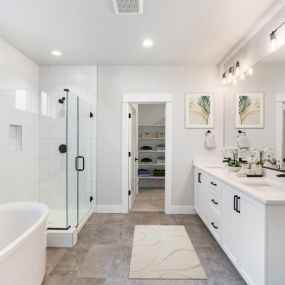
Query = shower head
x=61 y=100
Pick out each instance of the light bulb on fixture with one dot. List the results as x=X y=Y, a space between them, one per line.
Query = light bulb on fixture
x=237 y=69
x=242 y=76
x=235 y=81
x=224 y=78
x=231 y=73
x=273 y=41
x=250 y=71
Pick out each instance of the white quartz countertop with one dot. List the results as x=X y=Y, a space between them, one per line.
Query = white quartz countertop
x=267 y=190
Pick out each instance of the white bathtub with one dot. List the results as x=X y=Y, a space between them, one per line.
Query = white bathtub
x=22 y=243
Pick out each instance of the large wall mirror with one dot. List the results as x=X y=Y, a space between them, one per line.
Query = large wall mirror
x=264 y=121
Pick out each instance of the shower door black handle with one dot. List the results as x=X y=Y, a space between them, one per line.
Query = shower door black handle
x=76 y=163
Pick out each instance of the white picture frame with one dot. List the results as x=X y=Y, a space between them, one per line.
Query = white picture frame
x=199 y=110
x=249 y=111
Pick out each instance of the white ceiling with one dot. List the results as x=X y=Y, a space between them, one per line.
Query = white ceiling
x=89 y=32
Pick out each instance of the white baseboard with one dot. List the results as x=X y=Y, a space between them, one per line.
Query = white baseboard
x=182 y=210
x=110 y=209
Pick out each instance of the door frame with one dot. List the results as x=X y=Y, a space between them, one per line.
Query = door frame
x=147 y=98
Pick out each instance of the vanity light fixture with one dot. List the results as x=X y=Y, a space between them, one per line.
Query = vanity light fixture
x=56 y=53
x=273 y=38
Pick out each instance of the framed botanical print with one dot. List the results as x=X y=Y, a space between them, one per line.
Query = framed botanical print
x=249 y=110
x=199 y=110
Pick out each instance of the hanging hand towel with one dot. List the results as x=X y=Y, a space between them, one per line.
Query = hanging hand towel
x=242 y=140
x=210 y=140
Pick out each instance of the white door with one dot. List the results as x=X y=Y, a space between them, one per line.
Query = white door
x=133 y=183
x=251 y=240
x=230 y=223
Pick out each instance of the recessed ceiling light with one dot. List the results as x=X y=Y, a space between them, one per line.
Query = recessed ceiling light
x=56 y=53
x=147 y=43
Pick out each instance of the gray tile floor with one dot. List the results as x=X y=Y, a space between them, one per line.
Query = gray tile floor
x=149 y=200
x=102 y=254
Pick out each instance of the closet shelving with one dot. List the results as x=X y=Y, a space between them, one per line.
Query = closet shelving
x=153 y=154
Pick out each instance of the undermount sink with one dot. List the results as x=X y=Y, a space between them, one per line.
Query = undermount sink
x=262 y=186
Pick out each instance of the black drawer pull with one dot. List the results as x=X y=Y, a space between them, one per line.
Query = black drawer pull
x=214 y=226
x=214 y=184
x=238 y=205
x=213 y=200
x=199 y=177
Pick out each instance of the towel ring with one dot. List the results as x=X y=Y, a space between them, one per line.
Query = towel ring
x=241 y=132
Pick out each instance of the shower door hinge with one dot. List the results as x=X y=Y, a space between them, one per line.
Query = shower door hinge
x=130 y=154
x=91 y=199
x=91 y=115
x=130 y=115
x=130 y=192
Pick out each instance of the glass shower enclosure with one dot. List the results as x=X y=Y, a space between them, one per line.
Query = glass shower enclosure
x=65 y=157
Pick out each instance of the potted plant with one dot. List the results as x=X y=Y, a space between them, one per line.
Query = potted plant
x=234 y=164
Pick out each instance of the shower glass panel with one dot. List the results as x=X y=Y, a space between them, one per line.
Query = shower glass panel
x=65 y=157
x=53 y=139
x=84 y=150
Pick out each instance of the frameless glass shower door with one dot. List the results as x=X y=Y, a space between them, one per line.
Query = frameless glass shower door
x=84 y=144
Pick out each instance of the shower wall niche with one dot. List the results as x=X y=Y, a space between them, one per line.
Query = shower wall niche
x=65 y=157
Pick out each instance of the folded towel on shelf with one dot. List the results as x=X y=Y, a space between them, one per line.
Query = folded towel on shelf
x=147 y=135
x=143 y=172
x=242 y=140
x=160 y=146
x=160 y=160
x=160 y=135
x=210 y=140
x=146 y=160
x=159 y=172
x=146 y=147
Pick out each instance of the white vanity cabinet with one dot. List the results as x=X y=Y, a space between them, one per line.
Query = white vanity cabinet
x=243 y=237
x=251 y=233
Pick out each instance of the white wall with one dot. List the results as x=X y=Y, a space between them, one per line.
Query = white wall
x=82 y=82
x=113 y=82
x=269 y=80
x=19 y=170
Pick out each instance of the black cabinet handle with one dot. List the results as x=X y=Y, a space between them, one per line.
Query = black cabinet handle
x=238 y=205
x=214 y=226
x=76 y=163
x=199 y=177
x=213 y=200
x=214 y=184
x=235 y=202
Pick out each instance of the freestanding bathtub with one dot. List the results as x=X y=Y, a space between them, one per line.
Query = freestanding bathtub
x=22 y=243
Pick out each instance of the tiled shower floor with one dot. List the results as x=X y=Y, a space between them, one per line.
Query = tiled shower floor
x=102 y=254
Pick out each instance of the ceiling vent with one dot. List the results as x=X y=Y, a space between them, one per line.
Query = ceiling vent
x=128 y=7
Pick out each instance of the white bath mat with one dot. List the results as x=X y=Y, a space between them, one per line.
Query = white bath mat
x=164 y=252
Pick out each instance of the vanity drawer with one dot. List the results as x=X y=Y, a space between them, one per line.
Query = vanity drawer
x=215 y=185
x=214 y=201
x=215 y=226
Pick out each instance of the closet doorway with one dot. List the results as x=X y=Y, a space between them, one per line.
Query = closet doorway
x=150 y=150
x=146 y=139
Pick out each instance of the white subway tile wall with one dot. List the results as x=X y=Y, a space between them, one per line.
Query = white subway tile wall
x=19 y=101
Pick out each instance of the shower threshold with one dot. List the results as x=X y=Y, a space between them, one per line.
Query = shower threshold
x=58 y=237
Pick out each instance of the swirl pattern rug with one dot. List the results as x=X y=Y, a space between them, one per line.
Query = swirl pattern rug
x=164 y=252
